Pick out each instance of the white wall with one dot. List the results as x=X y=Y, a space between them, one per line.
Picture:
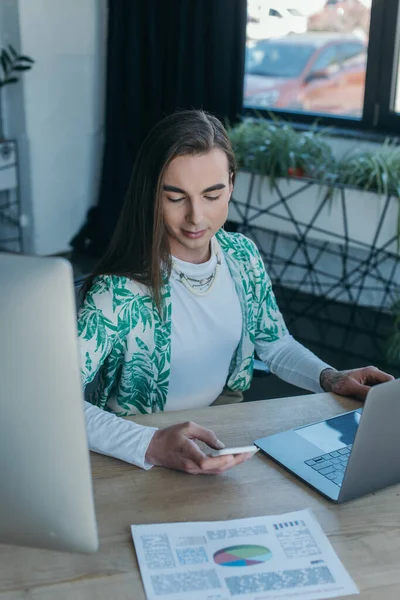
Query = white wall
x=59 y=123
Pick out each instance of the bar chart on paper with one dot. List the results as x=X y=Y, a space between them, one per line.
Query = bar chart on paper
x=243 y=555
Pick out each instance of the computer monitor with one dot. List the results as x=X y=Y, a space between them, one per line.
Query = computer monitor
x=46 y=497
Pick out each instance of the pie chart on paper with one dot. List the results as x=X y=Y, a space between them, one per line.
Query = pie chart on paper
x=242 y=556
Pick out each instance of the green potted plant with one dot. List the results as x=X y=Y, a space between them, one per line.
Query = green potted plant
x=276 y=161
x=377 y=172
x=275 y=149
x=11 y=65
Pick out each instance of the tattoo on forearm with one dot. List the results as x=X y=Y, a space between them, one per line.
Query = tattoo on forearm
x=330 y=379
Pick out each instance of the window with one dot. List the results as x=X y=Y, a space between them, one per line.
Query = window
x=277 y=59
x=338 y=60
x=326 y=58
x=351 y=50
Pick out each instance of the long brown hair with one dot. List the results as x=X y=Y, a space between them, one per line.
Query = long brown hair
x=139 y=247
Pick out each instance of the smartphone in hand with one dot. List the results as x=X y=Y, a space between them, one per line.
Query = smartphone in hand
x=237 y=450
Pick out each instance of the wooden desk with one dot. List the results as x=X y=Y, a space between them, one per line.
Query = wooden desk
x=365 y=533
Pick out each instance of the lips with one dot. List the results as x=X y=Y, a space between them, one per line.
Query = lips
x=194 y=235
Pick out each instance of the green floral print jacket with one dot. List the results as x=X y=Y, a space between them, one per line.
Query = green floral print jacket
x=126 y=342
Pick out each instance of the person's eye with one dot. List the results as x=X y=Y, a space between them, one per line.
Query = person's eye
x=212 y=197
x=175 y=199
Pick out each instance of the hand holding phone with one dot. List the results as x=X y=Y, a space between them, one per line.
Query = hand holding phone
x=237 y=450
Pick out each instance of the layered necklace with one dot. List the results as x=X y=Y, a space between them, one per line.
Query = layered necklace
x=199 y=286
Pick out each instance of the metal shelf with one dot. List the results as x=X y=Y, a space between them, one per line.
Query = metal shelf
x=322 y=264
x=10 y=207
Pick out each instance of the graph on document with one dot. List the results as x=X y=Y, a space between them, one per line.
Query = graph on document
x=243 y=555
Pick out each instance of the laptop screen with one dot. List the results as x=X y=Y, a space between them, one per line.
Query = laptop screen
x=334 y=433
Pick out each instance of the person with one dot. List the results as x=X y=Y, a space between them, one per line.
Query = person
x=175 y=309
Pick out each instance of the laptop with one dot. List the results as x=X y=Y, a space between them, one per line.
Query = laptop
x=46 y=498
x=350 y=455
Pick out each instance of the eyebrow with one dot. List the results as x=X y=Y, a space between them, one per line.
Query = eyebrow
x=212 y=188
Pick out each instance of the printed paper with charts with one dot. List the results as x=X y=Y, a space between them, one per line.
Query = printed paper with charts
x=281 y=556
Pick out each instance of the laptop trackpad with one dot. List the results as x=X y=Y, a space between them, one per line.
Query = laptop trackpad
x=334 y=433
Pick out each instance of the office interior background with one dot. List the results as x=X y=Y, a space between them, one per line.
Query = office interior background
x=318 y=189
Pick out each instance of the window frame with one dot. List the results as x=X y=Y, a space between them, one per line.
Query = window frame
x=380 y=82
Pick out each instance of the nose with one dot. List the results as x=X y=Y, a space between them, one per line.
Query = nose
x=195 y=212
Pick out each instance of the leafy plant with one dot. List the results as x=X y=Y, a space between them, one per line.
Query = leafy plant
x=11 y=62
x=377 y=171
x=274 y=148
x=374 y=171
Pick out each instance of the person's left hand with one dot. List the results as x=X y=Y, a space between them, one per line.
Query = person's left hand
x=355 y=382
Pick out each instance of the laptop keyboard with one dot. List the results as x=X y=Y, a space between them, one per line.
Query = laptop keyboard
x=331 y=465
